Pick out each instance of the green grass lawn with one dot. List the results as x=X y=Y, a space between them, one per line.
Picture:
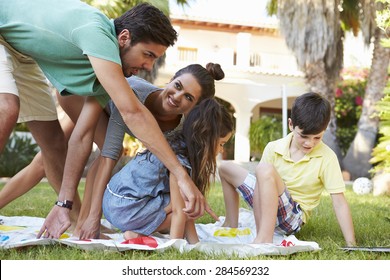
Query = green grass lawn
x=370 y=214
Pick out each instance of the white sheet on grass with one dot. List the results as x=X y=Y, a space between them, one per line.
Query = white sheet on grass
x=21 y=231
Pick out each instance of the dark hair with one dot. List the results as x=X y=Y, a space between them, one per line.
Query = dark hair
x=203 y=127
x=146 y=23
x=205 y=77
x=311 y=113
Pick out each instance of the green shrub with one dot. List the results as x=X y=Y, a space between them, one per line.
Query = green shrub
x=18 y=153
x=266 y=129
x=381 y=152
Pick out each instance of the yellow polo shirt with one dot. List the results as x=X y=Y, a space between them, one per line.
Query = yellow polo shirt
x=307 y=178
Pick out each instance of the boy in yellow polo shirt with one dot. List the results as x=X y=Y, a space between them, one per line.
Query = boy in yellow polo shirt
x=290 y=177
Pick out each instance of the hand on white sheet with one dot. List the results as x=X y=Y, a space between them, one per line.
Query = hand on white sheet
x=90 y=229
x=56 y=223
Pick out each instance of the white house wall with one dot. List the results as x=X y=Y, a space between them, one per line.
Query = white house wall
x=244 y=97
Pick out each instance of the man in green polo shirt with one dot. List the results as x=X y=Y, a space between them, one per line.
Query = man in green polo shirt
x=82 y=52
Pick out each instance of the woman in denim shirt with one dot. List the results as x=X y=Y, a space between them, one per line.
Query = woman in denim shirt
x=188 y=87
x=143 y=197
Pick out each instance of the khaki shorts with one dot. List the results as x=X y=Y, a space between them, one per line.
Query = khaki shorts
x=20 y=75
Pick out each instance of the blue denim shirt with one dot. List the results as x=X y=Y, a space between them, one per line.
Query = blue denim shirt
x=136 y=196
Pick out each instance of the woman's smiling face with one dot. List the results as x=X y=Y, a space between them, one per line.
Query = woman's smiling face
x=181 y=95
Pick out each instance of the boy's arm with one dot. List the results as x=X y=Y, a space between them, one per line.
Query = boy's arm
x=142 y=123
x=344 y=218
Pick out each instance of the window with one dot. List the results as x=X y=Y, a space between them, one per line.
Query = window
x=188 y=54
x=254 y=59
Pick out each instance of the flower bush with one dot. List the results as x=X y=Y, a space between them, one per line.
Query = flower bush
x=349 y=97
x=348 y=104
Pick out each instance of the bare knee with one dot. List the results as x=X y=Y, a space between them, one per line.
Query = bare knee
x=49 y=135
x=37 y=164
x=9 y=108
x=232 y=173
x=9 y=112
x=268 y=178
x=225 y=167
x=9 y=101
x=265 y=171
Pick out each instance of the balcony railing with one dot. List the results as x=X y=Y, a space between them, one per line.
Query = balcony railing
x=261 y=60
x=189 y=55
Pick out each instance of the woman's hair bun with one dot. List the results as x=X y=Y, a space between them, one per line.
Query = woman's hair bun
x=215 y=70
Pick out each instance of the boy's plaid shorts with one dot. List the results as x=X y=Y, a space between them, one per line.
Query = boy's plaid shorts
x=289 y=219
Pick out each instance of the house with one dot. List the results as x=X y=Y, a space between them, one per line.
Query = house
x=261 y=73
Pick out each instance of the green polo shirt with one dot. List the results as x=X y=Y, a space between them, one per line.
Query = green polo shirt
x=59 y=35
x=307 y=178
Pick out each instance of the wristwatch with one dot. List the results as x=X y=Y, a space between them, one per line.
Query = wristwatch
x=66 y=204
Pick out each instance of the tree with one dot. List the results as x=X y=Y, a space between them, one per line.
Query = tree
x=312 y=31
x=357 y=159
x=320 y=60
x=381 y=153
